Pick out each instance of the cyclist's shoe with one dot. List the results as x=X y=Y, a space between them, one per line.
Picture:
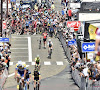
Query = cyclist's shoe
x=18 y=87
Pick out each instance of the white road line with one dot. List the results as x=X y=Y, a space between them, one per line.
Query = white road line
x=19 y=52
x=11 y=63
x=18 y=48
x=29 y=49
x=33 y=63
x=19 y=37
x=20 y=45
x=18 y=56
x=47 y=63
x=14 y=73
x=11 y=75
x=59 y=63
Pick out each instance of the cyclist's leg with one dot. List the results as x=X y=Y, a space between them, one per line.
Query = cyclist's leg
x=34 y=84
x=18 y=77
x=28 y=83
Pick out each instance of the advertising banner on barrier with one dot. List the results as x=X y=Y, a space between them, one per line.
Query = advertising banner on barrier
x=4 y=39
x=73 y=42
x=88 y=46
x=73 y=24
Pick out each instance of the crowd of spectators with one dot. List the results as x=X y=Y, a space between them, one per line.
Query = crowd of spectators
x=4 y=56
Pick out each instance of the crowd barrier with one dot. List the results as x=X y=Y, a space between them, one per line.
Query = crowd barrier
x=3 y=78
x=82 y=82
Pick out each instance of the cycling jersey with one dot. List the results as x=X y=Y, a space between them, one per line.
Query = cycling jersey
x=28 y=75
x=37 y=60
x=21 y=69
x=50 y=44
x=44 y=35
x=36 y=75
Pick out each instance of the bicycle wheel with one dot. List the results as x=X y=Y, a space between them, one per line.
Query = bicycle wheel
x=20 y=86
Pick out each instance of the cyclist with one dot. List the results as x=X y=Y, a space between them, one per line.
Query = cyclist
x=50 y=46
x=28 y=77
x=20 y=72
x=44 y=38
x=37 y=62
x=36 y=78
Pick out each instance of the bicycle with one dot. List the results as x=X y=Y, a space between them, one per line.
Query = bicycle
x=25 y=85
x=50 y=52
x=37 y=85
x=20 y=84
x=37 y=67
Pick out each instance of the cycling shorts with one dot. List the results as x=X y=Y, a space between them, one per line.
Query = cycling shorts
x=36 y=78
x=21 y=74
x=44 y=39
x=27 y=79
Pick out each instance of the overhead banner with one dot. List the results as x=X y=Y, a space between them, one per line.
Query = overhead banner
x=73 y=23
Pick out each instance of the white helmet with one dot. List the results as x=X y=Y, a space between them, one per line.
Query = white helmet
x=49 y=39
x=20 y=63
x=37 y=55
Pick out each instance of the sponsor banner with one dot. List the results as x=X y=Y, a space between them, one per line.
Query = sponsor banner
x=73 y=24
x=73 y=42
x=4 y=39
x=88 y=46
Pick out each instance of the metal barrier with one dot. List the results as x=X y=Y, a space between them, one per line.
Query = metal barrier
x=82 y=82
x=3 y=78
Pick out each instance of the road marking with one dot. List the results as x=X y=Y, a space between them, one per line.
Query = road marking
x=20 y=45
x=14 y=73
x=19 y=37
x=11 y=63
x=11 y=75
x=18 y=48
x=21 y=40
x=19 y=52
x=29 y=49
x=59 y=63
x=47 y=63
x=33 y=63
x=19 y=56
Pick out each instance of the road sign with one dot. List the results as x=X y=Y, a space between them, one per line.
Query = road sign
x=75 y=28
x=71 y=42
x=4 y=39
x=88 y=47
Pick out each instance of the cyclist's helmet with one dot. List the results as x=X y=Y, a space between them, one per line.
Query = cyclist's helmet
x=20 y=63
x=37 y=55
x=27 y=69
x=49 y=40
